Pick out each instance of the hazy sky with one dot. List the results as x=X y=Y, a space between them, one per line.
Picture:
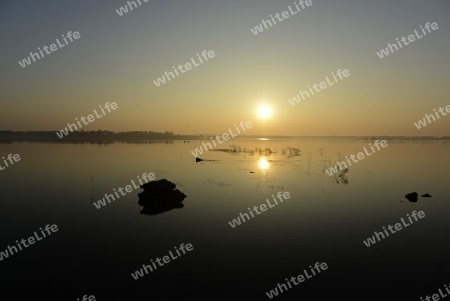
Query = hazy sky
x=117 y=59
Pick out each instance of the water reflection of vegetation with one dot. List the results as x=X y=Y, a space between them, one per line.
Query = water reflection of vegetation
x=213 y=181
x=288 y=152
x=310 y=165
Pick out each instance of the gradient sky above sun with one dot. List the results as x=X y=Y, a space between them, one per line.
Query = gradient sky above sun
x=117 y=59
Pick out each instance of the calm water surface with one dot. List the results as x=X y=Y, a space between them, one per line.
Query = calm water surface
x=326 y=220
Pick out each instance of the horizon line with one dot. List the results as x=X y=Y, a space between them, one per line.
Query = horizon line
x=210 y=134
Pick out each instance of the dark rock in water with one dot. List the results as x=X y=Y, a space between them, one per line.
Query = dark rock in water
x=160 y=196
x=157 y=208
x=198 y=159
x=160 y=185
x=252 y=172
x=412 y=197
x=426 y=195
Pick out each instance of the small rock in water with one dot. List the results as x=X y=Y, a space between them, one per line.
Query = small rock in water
x=426 y=195
x=412 y=197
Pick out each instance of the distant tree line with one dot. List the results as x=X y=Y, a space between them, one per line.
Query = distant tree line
x=91 y=136
x=106 y=137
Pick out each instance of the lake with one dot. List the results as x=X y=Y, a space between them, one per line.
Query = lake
x=326 y=219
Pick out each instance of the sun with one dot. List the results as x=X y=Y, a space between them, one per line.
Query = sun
x=264 y=111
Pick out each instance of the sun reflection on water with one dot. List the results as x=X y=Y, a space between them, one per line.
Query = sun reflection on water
x=263 y=164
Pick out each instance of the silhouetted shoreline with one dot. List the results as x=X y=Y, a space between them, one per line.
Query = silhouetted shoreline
x=93 y=137
x=148 y=137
